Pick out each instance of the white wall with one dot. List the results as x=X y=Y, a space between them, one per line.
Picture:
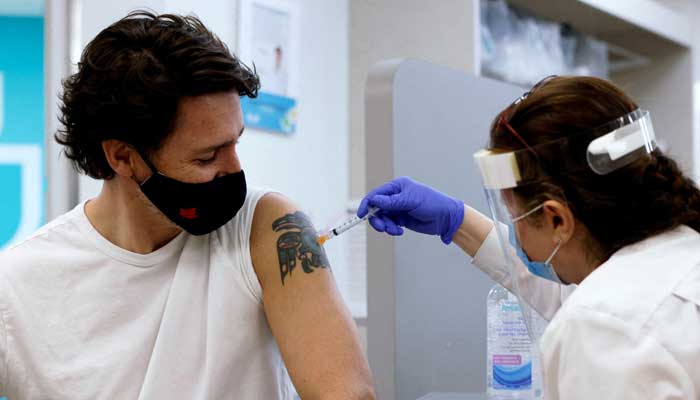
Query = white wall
x=311 y=166
x=695 y=12
x=441 y=32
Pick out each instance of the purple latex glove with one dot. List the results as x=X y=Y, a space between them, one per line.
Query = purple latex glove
x=404 y=202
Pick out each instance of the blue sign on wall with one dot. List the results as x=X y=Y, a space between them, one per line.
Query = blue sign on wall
x=22 y=178
x=270 y=112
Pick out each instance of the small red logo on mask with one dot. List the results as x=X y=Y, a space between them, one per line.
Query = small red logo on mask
x=188 y=213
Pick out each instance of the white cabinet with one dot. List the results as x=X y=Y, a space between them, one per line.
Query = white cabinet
x=662 y=33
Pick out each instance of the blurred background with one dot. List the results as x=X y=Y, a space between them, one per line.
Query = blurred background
x=306 y=135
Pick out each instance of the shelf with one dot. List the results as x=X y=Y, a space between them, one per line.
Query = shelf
x=646 y=27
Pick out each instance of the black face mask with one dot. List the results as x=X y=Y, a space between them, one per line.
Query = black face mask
x=198 y=208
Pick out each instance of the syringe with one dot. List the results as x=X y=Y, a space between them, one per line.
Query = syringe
x=323 y=237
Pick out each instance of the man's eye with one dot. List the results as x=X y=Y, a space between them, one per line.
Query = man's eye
x=206 y=160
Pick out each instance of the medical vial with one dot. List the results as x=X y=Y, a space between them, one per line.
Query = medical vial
x=509 y=350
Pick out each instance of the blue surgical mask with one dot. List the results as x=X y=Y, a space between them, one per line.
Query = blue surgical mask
x=542 y=269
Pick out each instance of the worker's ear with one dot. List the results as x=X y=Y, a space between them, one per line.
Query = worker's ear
x=559 y=219
x=124 y=160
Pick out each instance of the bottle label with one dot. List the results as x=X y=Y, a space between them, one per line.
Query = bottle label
x=509 y=348
x=509 y=372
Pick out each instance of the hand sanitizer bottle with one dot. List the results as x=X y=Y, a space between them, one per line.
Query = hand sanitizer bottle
x=509 y=348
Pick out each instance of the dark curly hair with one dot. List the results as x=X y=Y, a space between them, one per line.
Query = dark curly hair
x=130 y=79
x=642 y=199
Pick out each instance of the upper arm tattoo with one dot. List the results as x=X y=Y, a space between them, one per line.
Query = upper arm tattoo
x=299 y=242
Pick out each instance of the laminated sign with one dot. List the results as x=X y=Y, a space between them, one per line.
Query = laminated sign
x=22 y=179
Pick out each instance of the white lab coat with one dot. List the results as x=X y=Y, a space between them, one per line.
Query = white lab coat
x=630 y=330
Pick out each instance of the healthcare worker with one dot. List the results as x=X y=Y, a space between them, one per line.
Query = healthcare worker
x=596 y=229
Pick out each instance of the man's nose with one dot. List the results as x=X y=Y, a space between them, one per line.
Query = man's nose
x=230 y=164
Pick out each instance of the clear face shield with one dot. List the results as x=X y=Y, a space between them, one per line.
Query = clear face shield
x=505 y=175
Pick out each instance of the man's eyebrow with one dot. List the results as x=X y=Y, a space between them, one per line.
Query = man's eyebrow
x=220 y=145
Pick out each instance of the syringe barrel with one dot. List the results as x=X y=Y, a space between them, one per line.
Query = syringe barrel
x=352 y=222
x=349 y=224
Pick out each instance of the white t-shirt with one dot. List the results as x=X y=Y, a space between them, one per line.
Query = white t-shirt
x=82 y=318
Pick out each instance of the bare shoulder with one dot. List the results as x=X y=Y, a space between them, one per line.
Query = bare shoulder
x=312 y=326
x=283 y=242
x=270 y=208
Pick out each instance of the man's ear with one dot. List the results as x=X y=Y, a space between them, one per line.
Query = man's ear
x=125 y=160
x=559 y=218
